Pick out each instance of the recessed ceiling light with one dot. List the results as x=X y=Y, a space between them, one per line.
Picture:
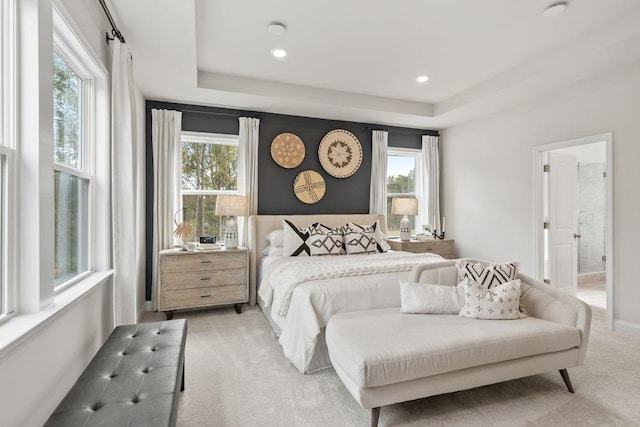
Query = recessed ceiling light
x=279 y=53
x=277 y=28
x=422 y=79
x=554 y=10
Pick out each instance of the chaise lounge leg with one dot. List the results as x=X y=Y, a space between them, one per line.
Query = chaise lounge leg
x=375 y=416
x=567 y=380
x=182 y=383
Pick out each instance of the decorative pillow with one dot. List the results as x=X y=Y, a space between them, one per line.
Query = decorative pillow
x=500 y=302
x=295 y=240
x=380 y=237
x=276 y=238
x=360 y=242
x=325 y=242
x=430 y=299
x=488 y=275
x=271 y=250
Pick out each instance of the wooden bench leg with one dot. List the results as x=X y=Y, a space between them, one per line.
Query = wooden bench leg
x=567 y=380
x=182 y=384
x=375 y=416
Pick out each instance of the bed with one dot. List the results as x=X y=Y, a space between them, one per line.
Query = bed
x=306 y=291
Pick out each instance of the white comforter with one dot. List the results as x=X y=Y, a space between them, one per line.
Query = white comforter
x=311 y=290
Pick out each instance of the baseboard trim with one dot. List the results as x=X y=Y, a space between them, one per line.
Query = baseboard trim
x=627 y=328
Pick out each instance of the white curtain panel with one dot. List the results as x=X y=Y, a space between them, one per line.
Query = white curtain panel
x=431 y=191
x=248 y=170
x=126 y=167
x=378 y=188
x=166 y=126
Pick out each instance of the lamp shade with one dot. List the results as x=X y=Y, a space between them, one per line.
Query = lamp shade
x=404 y=206
x=231 y=206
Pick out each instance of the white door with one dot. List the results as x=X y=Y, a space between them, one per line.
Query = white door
x=563 y=222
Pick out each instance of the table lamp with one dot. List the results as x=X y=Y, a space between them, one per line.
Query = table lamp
x=404 y=206
x=231 y=206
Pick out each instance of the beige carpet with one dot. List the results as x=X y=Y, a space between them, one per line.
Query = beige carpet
x=236 y=375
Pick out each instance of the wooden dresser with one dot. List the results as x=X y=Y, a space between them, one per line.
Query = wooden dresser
x=442 y=247
x=203 y=279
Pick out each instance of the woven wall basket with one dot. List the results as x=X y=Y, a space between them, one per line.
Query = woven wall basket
x=287 y=150
x=340 y=153
x=309 y=187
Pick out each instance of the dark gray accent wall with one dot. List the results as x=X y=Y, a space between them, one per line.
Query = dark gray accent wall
x=275 y=184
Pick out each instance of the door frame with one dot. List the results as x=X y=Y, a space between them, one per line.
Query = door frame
x=538 y=215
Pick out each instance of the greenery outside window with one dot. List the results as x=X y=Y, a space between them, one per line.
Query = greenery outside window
x=72 y=176
x=209 y=169
x=401 y=182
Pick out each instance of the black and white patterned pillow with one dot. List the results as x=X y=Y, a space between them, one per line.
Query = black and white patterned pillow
x=325 y=241
x=295 y=240
x=381 y=245
x=487 y=275
x=360 y=242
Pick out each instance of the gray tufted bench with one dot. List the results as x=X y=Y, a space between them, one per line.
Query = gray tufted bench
x=134 y=379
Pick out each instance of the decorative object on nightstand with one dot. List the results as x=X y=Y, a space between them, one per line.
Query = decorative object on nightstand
x=404 y=206
x=435 y=232
x=185 y=229
x=203 y=279
x=231 y=206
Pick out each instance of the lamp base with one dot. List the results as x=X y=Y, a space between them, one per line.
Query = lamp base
x=405 y=229
x=231 y=235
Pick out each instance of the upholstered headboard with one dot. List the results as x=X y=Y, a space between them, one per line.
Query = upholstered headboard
x=261 y=225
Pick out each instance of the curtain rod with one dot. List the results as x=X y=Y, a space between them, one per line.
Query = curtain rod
x=412 y=131
x=114 y=28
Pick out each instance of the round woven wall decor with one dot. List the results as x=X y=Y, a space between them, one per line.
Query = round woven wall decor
x=309 y=187
x=340 y=153
x=287 y=150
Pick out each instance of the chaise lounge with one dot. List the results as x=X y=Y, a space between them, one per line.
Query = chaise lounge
x=385 y=357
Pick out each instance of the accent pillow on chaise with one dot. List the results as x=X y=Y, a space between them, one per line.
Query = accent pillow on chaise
x=424 y=298
x=500 y=302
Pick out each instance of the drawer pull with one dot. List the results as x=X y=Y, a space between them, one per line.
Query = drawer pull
x=205 y=296
x=205 y=262
x=205 y=278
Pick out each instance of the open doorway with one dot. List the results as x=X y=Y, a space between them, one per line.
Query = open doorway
x=573 y=219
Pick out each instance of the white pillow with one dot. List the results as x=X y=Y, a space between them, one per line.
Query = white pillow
x=425 y=298
x=381 y=238
x=276 y=238
x=325 y=241
x=295 y=240
x=497 y=303
x=271 y=250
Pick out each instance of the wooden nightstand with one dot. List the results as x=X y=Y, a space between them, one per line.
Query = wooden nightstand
x=442 y=247
x=202 y=279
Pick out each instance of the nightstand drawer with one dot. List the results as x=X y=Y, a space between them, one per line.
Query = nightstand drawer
x=443 y=248
x=203 y=279
x=203 y=297
x=203 y=261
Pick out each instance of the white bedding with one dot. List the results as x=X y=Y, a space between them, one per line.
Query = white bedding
x=318 y=292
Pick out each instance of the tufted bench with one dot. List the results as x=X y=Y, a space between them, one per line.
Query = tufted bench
x=134 y=379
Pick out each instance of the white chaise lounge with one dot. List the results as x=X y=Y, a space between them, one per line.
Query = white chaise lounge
x=385 y=357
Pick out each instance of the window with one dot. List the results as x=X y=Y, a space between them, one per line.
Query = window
x=7 y=157
x=401 y=181
x=72 y=176
x=209 y=168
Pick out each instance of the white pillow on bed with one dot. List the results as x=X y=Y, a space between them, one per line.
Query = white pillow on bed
x=380 y=237
x=276 y=238
x=271 y=250
x=424 y=298
x=325 y=241
x=295 y=240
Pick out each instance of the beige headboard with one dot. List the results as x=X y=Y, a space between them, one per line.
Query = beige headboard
x=261 y=225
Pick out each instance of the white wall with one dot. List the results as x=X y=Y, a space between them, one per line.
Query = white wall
x=487 y=181
x=38 y=372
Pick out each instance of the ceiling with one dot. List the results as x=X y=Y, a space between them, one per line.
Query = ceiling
x=350 y=62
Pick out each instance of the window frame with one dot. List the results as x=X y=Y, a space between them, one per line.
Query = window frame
x=74 y=51
x=418 y=159
x=207 y=138
x=8 y=169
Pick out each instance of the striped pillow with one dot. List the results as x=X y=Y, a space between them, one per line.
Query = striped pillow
x=487 y=276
